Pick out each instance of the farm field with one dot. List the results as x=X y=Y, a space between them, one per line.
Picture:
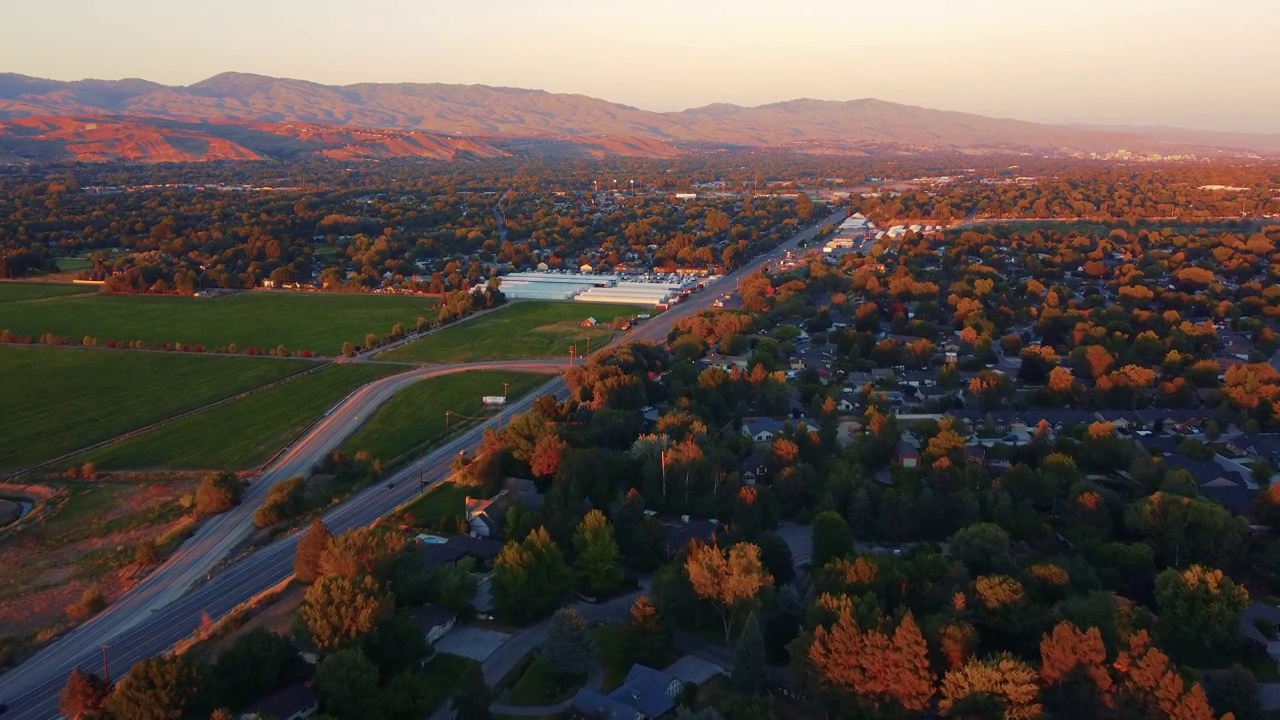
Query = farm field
x=241 y=434
x=522 y=330
x=319 y=322
x=63 y=399
x=15 y=292
x=414 y=418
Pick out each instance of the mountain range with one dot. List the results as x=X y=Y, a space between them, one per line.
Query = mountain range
x=244 y=116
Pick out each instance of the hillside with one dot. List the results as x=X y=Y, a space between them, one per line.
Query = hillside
x=150 y=116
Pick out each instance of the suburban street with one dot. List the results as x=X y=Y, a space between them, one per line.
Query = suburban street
x=164 y=609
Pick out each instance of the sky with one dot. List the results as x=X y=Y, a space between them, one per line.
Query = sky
x=1208 y=64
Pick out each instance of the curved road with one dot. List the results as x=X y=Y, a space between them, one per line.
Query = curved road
x=163 y=609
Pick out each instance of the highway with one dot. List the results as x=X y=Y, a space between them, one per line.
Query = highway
x=163 y=609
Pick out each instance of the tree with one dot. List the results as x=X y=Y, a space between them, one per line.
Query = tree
x=1076 y=662
x=598 y=567
x=983 y=548
x=338 y=611
x=1008 y=681
x=217 y=493
x=147 y=553
x=1198 y=611
x=472 y=699
x=161 y=688
x=530 y=578
x=250 y=667
x=749 y=659
x=362 y=551
x=347 y=683
x=729 y=579
x=1236 y=691
x=1266 y=505
x=548 y=451
x=569 y=648
x=1149 y=685
x=311 y=547
x=775 y=553
x=84 y=697
x=832 y=538
x=395 y=644
x=879 y=670
x=649 y=637
x=453 y=586
x=406 y=696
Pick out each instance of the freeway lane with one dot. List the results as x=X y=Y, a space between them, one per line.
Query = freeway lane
x=154 y=615
x=35 y=683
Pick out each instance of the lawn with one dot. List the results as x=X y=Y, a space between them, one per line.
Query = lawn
x=539 y=685
x=74 y=264
x=14 y=292
x=319 y=322
x=414 y=419
x=521 y=330
x=62 y=399
x=446 y=499
x=443 y=674
x=243 y=433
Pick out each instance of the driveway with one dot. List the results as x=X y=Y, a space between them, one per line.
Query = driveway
x=472 y=642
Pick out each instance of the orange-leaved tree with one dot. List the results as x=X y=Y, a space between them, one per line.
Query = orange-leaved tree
x=730 y=579
x=875 y=667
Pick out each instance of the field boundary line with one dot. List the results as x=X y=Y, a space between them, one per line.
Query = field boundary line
x=165 y=421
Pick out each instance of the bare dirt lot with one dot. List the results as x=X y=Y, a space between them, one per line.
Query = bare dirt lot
x=85 y=536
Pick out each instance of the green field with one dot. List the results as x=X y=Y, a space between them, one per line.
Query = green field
x=414 y=419
x=522 y=330
x=240 y=434
x=440 y=500
x=299 y=321
x=16 y=292
x=58 y=400
x=74 y=264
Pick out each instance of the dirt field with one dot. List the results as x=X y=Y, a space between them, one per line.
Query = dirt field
x=86 y=538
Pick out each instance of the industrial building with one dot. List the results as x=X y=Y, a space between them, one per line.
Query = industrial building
x=653 y=290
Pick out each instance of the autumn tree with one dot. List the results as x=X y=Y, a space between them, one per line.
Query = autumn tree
x=84 y=697
x=1075 y=663
x=547 y=454
x=731 y=579
x=362 y=551
x=1061 y=381
x=880 y=670
x=598 y=565
x=217 y=493
x=311 y=547
x=1008 y=681
x=337 y=610
x=649 y=637
x=1198 y=611
x=160 y=688
x=1149 y=685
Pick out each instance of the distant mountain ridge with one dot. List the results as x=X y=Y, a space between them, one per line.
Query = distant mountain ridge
x=539 y=121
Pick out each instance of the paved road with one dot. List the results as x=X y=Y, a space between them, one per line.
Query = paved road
x=155 y=614
x=147 y=620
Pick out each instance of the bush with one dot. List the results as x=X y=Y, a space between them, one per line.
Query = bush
x=285 y=501
x=217 y=494
x=91 y=602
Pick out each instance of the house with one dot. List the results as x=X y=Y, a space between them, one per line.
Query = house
x=754 y=468
x=289 y=703
x=486 y=518
x=845 y=406
x=680 y=534
x=590 y=322
x=645 y=693
x=436 y=622
x=761 y=429
x=906 y=454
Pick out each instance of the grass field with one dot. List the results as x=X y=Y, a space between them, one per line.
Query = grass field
x=299 y=321
x=414 y=419
x=240 y=434
x=444 y=499
x=15 y=292
x=74 y=264
x=523 y=330
x=58 y=400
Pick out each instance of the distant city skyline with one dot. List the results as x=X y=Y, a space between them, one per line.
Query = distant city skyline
x=1186 y=63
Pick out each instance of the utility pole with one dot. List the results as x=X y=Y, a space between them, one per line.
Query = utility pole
x=106 y=668
x=446 y=419
x=571 y=349
x=504 y=390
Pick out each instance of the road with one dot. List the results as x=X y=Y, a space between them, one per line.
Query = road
x=156 y=614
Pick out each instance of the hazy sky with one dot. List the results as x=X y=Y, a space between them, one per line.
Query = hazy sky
x=1195 y=63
